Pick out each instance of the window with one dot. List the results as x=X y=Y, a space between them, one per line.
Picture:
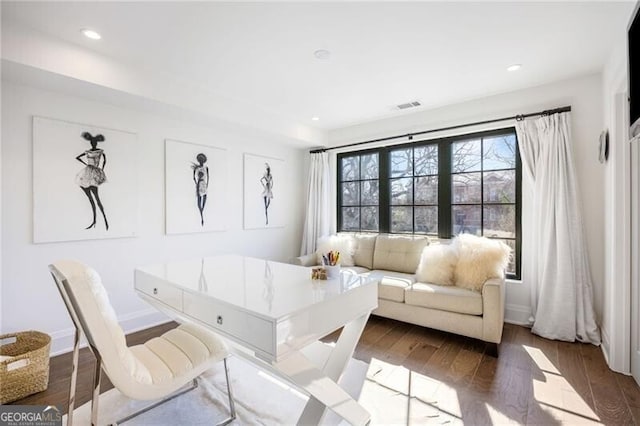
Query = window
x=484 y=187
x=358 y=192
x=437 y=187
x=414 y=189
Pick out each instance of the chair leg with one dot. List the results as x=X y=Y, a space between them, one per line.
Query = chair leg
x=232 y=405
x=74 y=377
x=95 y=397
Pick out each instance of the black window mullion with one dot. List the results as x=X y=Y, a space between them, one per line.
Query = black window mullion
x=481 y=186
x=444 y=189
x=384 y=209
x=413 y=191
x=339 y=191
x=518 y=253
x=360 y=193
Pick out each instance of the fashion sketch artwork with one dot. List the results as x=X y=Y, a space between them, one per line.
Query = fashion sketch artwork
x=267 y=193
x=85 y=181
x=92 y=175
x=195 y=180
x=263 y=194
x=201 y=179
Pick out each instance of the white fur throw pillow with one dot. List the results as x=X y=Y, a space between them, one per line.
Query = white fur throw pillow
x=343 y=244
x=479 y=259
x=437 y=264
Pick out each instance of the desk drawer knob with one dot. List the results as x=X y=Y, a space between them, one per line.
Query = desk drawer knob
x=155 y=291
x=219 y=319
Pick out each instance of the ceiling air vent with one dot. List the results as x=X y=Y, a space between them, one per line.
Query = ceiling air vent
x=409 y=105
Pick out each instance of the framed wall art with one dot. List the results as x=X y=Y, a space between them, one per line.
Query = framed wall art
x=196 y=181
x=84 y=182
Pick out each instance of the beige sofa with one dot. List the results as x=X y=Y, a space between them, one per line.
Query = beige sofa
x=449 y=308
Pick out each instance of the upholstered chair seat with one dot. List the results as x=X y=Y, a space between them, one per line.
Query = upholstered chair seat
x=168 y=362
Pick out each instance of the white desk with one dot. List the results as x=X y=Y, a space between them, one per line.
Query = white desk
x=269 y=311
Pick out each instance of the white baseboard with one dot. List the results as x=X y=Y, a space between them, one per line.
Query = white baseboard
x=62 y=340
x=517 y=314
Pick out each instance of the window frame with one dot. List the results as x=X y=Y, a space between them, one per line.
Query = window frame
x=413 y=177
x=445 y=193
x=339 y=181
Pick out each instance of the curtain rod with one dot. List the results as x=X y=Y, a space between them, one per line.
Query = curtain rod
x=410 y=136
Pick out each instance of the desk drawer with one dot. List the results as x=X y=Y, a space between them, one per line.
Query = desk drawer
x=232 y=322
x=159 y=290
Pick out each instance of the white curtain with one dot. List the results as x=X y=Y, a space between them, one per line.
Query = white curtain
x=318 y=216
x=557 y=265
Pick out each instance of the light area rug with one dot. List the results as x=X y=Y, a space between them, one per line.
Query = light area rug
x=391 y=393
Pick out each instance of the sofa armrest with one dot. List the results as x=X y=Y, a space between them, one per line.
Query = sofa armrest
x=493 y=301
x=306 y=260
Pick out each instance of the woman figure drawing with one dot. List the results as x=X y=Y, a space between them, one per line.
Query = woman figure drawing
x=92 y=176
x=201 y=180
x=267 y=190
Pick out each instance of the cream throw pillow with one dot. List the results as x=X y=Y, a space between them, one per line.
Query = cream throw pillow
x=343 y=244
x=479 y=259
x=437 y=264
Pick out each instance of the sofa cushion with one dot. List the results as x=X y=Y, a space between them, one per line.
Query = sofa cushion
x=444 y=298
x=398 y=252
x=364 y=245
x=479 y=259
x=393 y=284
x=342 y=243
x=437 y=263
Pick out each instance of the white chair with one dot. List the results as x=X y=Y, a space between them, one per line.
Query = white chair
x=157 y=369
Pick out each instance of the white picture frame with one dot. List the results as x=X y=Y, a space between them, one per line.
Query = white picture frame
x=195 y=188
x=264 y=200
x=84 y=182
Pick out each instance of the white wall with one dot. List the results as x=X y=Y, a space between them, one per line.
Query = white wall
x=584 y=95
x=616 y=314
x=29 y=297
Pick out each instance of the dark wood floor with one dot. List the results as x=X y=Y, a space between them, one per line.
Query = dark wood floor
x=533 y=381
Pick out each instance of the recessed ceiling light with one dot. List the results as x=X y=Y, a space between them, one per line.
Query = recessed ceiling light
x=322 y=54
x=93 y=35
x=315 y=118
x=514 y=67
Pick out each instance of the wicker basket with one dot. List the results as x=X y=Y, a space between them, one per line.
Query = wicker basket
x=17 y=381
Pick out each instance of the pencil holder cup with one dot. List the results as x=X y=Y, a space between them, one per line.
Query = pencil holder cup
x=333 y=272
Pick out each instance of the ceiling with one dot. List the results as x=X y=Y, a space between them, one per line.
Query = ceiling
x=382 y=53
